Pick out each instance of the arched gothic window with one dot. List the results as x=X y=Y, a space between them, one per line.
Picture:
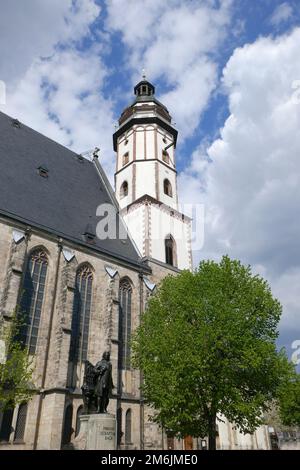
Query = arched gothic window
x=119 y=426
x=32 y=298
x=124 y=189
x=6 y=422
x=128 y=419
x=125 y=295
x=21 y=423
x=81 y=314
x=79 y=413
x=67 y=430
x=167 y=188
x=170 y=250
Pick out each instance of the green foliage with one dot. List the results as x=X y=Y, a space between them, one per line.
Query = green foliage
x=206 y=346
x=289 y=402
x=17 y=370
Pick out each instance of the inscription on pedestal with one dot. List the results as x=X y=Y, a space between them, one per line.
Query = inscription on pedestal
x=101 y=432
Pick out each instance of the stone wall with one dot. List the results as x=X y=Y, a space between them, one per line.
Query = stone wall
x=46 y=411
x=45 y=416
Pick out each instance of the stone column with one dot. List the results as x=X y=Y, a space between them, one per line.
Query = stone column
x=12 y=280
x=51 y=422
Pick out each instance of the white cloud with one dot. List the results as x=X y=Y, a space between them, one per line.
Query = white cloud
x=61 y=97
x=281 y=14
x=174 y=40
x=287 y=289
x=61 y=94
x=188 y=99
x=32 y=28
x=249 y=178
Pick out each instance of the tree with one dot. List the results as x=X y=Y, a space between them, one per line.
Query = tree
x=16 y=368
x=206 y=347
x=289 y=402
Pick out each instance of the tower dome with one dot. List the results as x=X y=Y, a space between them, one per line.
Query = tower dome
x=145 y=109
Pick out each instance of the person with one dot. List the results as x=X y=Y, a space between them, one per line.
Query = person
x=104 y=383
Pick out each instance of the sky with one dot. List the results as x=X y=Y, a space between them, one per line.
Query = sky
x=229 y=73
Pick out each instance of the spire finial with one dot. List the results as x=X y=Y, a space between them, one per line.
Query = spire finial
x=144 y=74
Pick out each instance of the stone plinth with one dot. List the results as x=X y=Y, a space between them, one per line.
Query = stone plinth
x=97 y=432
x=80 y=441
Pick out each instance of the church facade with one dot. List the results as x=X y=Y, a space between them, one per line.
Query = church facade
x=83 y=286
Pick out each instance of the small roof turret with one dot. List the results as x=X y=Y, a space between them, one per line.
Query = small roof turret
x=144 y=88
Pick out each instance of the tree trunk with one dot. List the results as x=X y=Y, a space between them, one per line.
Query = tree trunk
x=212 y=432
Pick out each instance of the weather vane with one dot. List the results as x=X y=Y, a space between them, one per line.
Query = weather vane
x=144 y=74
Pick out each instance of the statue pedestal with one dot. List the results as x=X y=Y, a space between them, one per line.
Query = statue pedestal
x=97 y=432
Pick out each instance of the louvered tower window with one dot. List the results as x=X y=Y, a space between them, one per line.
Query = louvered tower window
x=32 y=298
x=81 y=314
x=125 y=295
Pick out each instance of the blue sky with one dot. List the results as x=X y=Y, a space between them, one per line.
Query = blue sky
x=229 y=72
x=249 y=20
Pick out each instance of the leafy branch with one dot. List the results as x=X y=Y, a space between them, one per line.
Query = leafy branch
x=16 y=369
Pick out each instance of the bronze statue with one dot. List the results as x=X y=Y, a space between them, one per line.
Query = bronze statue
x=97 y=385
x=88 y=389
x=104 y=384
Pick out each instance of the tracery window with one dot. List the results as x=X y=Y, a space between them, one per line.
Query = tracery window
x=32 y=298
x=128 y=419
x=81 y=314
x=6 y=422
x=125 y=297
x=21 y=422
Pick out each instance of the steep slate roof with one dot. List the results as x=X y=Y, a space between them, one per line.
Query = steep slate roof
x=65 y=202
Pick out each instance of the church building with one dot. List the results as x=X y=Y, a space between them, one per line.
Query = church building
x=83 y=284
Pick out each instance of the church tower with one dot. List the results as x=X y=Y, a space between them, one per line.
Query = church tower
x=146 y=180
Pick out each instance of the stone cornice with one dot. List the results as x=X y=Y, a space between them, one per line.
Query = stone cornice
x=15 y=221
x=144 y=120
x=146 y=199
